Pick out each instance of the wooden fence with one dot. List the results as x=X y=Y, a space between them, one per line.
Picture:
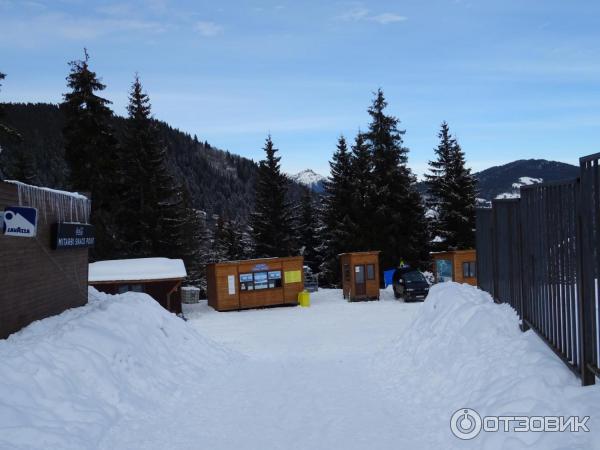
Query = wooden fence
x=540 y=254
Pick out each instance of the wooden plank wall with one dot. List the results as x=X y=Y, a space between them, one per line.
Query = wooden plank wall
x=218 y=287
x=36 y=281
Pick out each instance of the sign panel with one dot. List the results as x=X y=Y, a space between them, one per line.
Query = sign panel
x=72 y=235
x=260 y=267
x=443 y=268
x=231 y=284
x=20 y=221
x=293 y=276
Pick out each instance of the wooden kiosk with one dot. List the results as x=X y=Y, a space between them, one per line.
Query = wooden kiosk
x=360 y=275
x=255 y=283
x=456 y=265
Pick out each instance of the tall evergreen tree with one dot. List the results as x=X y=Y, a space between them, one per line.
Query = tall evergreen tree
x=271 y=220
x=363 y=189
x=308 y=231
x=6 y=131
x=91 y=150
x=399 y=213
x=337 y=204
x=452 y=192
x=155 y=209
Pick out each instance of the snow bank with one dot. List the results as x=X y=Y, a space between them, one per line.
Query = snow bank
x=464 y=351
x=67 y=379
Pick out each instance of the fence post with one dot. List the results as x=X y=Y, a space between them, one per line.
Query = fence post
x=586 y=291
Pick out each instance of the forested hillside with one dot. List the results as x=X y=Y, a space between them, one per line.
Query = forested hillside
x=219 y=182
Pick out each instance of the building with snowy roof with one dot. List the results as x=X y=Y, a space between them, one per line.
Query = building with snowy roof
x=44 y=239
x=161 y=278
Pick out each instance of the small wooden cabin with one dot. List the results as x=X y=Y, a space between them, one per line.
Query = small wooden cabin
x=456 y=265
x=360 y=275
x=160 y=278
x=254 y=283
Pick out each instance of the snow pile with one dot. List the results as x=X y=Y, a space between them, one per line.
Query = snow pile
x=464 y=351
x=66 y=380
x=136 y=269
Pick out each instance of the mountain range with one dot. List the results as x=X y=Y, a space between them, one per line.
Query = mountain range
x=504 y=180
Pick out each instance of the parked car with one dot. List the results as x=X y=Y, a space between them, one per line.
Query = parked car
x=410 y=284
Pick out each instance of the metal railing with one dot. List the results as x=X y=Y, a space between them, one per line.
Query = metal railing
x=540 y=254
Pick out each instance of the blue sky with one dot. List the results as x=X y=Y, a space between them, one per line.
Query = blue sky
x=514 y=79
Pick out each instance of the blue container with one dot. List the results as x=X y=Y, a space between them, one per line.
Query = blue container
x=388 y=275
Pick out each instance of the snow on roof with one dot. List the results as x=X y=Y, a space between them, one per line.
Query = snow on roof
x=52 y=191
x=136 y=269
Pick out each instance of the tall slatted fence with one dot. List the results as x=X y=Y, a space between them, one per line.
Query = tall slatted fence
x=540 y=254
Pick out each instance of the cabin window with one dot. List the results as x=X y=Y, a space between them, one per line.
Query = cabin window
x=260 y=280
x=130 y=288
x=469 y=269
x=246 y=282
x=275 y=279
x=370 y=271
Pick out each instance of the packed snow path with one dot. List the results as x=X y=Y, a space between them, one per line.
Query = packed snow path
x=122 y=373
x=304 y=381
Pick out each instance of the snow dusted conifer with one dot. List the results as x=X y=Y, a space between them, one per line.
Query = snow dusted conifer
x=452 y=192
x=399 y=213
x=271 y=220
x=307 y=230
x=91 y=150
x=363 y=187
x=337 y=205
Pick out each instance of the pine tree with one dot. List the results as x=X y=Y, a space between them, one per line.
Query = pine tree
x=363 y=189
x=337 y=205
x=271 y=220
x=399 y=214
x=155 y=208
x=196 y=249
x=452 y=193
x=24 y=166
x=91 y=150
x=6 y=131
x=307 y=231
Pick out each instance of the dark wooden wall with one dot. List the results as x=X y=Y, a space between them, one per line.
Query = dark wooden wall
x=371 y=286
x=218 y=290
x=158 y=290
x=36 y=281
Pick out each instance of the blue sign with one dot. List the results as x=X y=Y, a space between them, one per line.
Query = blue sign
x=20 y=221
x=260 y=267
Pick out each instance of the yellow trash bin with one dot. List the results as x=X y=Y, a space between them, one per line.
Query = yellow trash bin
x=304 y=299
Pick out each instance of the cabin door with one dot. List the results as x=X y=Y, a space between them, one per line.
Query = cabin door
x=360 y=287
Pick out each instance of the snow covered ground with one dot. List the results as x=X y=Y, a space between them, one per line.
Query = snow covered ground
x=122 y=373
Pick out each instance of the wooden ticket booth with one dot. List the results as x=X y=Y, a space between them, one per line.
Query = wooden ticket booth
x=456 y=265
x=255 y=283
x=360 y=275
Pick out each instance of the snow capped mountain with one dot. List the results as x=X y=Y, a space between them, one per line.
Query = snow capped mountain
x=516 y=187
x=310 y=178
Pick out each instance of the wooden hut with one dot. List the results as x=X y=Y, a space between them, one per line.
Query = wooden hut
x=254 y=283
x=44 y=240
x=360 y=275
x=455 y=265
x=160 y=278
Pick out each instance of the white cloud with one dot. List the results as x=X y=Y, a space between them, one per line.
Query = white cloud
x=360 y=13
x=208 y=29
x=388 y=17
